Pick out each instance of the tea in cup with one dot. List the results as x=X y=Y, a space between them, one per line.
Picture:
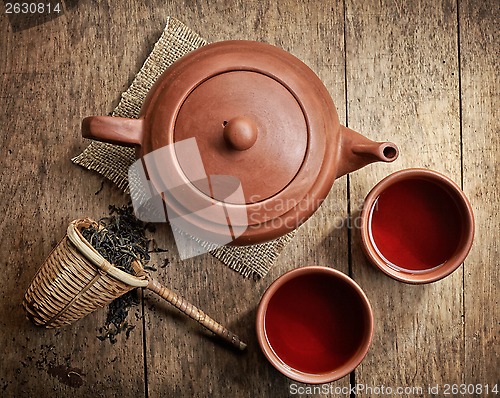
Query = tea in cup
x=417 y=226
x=314 y=324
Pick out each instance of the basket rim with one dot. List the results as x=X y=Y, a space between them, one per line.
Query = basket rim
x=91 y=254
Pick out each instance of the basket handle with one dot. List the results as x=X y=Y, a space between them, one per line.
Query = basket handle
x=199 y=316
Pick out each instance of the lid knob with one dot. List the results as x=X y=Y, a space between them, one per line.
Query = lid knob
x=240 y=133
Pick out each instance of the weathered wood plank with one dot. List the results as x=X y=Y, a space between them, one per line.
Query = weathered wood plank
x=51 y=76
x=480 y=71
x=182 y=361
x=402 y=84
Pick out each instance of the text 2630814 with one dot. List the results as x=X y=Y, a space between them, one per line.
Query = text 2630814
x=32 y=8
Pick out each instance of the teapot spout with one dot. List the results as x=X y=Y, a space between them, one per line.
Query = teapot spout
x=357 y=151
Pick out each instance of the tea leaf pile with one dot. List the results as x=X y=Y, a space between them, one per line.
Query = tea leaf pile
x=121 y=239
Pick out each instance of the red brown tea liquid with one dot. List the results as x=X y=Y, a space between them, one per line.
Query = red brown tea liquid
x=315 y=323
x=415 y=225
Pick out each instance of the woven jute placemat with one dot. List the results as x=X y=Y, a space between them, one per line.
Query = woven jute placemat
x=113 y=161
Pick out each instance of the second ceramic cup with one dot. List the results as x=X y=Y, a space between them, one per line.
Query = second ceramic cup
x=417 y=226
x=314 y=324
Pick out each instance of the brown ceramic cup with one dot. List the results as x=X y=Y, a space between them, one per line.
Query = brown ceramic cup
x=314 y=324
x=417 y=226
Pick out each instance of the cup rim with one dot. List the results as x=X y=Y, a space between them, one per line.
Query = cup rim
x=439 y=272
x=296 y=375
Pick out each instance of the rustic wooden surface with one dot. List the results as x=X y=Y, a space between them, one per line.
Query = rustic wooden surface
x=480 y=71
x=402 y=81
x=423 y=74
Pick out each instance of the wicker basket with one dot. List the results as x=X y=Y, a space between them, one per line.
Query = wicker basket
x=75 y=280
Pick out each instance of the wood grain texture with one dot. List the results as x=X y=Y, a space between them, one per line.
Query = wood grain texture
x=402 y=83
x=480 y=94
x=403 y=74
x=48 y=82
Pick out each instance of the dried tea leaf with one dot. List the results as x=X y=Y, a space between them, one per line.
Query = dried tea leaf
x=121 y=239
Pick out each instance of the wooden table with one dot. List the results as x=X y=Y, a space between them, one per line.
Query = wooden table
x=423 y=74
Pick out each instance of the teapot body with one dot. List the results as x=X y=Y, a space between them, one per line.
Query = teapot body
x=252 y=112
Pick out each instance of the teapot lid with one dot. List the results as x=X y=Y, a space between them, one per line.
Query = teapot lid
x=258 y=114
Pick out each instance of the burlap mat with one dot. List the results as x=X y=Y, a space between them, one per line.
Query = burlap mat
x=113 y=161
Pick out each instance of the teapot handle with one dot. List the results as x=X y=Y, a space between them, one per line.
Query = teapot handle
x=114 y=130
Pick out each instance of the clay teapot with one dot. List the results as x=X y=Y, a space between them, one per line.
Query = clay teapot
x=258 y=114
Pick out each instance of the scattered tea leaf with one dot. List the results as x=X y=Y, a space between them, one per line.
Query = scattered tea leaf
x=166 y=262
